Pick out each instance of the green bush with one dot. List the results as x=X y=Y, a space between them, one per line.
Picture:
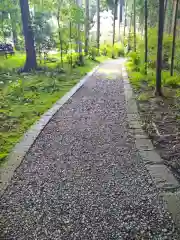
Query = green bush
x=173 y=81
x=92 y=53
x=112 y=51
x=118 y=49
x=74 y=58
x=135 y=58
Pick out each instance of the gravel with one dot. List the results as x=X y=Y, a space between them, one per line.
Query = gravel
x=83 y=179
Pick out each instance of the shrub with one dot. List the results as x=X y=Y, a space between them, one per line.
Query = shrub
x=135 y=57
x=92 y=53
x=74 y=57
x=173 y=81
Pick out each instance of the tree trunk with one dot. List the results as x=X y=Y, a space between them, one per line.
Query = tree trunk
x=120 y=16
x=60 y=38
x=120 y=20
x=173 y=15
x=87 y=28
x=174 y=39
x=135 y=25
x=70 y=38
x=98 y=25
x=129 y=35
x=146 y=34
x=125 y=19
x=159 y=50
x=81 y=61
x=165 y=11
x=14 y=32
x=114 y=24
x=170 y=16
x=28 y=36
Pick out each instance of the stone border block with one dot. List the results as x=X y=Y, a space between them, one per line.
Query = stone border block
x=172 y=203
x=162 y=176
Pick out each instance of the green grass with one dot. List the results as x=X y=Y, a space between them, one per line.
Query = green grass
x=24 y=98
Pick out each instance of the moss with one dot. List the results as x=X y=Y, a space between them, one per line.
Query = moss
x=24 y=98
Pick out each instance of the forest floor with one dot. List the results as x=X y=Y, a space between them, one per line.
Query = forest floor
x=25 y=97
x=83 y=178
x=161 y=117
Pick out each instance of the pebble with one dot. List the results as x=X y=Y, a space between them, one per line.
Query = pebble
x=94 y=188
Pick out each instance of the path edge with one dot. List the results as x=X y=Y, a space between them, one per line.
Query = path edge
x=18 y=153
x=166 y=183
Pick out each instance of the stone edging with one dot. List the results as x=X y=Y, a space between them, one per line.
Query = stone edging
x=18 y=153
x=162 y=176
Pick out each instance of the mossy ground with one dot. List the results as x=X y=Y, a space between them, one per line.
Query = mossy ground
x=25 y=97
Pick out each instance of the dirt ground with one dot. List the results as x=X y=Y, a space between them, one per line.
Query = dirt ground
x=161 y=120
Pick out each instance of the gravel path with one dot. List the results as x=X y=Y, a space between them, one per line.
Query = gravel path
x=83 y=179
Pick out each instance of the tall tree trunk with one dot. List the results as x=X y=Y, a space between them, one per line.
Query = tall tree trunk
x=29 y=38
x=114 y=24
x=81 y=61
x=120 y=13
x=120 y=16
x=159 y=50
x=70 y=38
x=146 y=34
x=125 y=19
x=135 y=25
x=13 y=27
x=165 y=11
x=98 y=25
x=87 y=28
x=173 y=15
x=174 y=39
x=60 y=37
x=129 y=35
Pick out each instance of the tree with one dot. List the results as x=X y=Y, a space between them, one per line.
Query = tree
x=158 y=91
x=146 y=34
x=114 y=23
x=59 y=34
x=121 y=3
x=174 y=38
x=98 y=25
x=134 y=25
x=28 y=36
x=129 y=34
x=125 y=18
x=87 y=27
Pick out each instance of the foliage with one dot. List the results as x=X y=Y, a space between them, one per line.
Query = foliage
x=136 y=62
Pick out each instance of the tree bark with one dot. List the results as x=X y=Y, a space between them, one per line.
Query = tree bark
x=81 y=61
x=125 y=19
x=146 y=34
x=120 y=16
x=60 y=38
x=129 y=35
x=114 y=23
x=174 y=39
x=98 y=25
x=87 y=28
x=70 y=38
x=120 y=12
x=158 y=91
x=135 y=25
x=30 y=63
